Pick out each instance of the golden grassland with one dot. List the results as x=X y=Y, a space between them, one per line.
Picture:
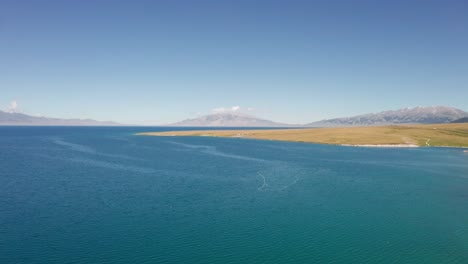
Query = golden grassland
x=447 y=135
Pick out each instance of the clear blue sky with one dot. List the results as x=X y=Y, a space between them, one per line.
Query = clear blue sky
x=157 y=62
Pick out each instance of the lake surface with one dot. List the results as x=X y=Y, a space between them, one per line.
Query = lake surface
x=104 y=195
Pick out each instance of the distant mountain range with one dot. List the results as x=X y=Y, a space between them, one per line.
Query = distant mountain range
x=461 y=120
x=229 y=119
x=416 y=115
x=19 y=119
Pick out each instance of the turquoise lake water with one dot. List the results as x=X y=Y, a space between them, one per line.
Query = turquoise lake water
x=104 y=195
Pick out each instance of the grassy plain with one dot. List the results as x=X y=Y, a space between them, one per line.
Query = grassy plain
x=449 y=135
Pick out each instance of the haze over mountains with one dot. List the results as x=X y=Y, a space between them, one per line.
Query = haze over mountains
x=461 y=120
x=229 y=119
x=416 y=115
x=19 y=119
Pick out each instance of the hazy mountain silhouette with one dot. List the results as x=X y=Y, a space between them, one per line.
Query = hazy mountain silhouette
x=416 y=115
x=19 y=119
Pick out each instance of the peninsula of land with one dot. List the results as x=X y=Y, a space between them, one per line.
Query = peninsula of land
x=437 y=135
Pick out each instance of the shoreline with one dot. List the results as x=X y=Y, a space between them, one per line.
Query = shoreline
x=401 y=136
x=464 y=148
x=383 y=145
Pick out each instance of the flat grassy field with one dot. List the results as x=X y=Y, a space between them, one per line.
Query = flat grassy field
x=450 y=135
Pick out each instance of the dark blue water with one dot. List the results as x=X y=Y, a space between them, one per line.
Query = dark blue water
x=104 y=195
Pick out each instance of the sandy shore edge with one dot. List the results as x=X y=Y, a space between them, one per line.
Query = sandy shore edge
x=396 y=136
x=383 y=145
x=465 y=149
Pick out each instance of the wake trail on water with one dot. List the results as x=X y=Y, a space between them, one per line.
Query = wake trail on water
x=276 y=175
x=103 y=164
x=212 y=150
x=88 y=150
x=280 y=176
x=109 y=165
x=74 y=147
x=264 y=185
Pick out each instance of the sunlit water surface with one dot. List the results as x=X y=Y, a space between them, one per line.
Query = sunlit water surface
x=104 y=195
